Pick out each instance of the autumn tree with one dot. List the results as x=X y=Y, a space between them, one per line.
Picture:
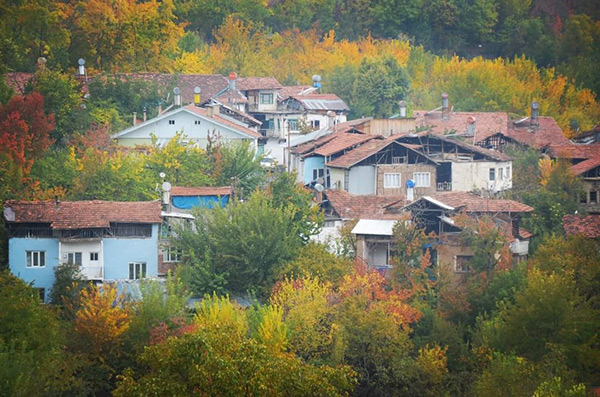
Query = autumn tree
x=24 y=135
x=219 y=345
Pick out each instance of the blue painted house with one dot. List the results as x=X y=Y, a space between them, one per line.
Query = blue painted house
x=110 y=241
x=186 y=198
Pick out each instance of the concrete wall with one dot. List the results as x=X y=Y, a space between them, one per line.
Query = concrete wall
x=337 y=176
x=119 y=252
x=42 y=277
x=406 y=171
x=467 y=176
x=449 y=249
x=184 y=122
x=361 y=180
x=310 y=164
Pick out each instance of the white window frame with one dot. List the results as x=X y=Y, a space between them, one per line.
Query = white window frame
x=172 y=255
x=461 y=269
x=392 y=180
x=171 y=122
x=500 y=174
x=35 y=259
x=418 y=176
x=71 y=257
x=507 y=173
x=264 y=96
x=95 y=255
x=492 y=175
x=137 y=270
x=293 y=124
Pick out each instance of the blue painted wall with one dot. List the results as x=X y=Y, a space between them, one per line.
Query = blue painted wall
x=118 y=252
x=42 y=277
x=310 y=164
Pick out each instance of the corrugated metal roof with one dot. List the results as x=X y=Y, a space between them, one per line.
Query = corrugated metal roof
x=325 y=104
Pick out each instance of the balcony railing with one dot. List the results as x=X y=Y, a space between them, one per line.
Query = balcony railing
x=92 y=272
x=444 y=187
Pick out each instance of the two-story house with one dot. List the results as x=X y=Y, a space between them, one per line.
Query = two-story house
x=110 y=241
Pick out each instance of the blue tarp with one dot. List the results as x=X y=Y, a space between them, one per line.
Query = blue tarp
x=189 y=202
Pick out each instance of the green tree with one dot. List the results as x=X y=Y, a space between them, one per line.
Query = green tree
x=379 y=85
x=246 y=244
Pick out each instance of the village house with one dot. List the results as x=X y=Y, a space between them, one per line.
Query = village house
x=110 y=241
x=197 y=124
x=438 y=214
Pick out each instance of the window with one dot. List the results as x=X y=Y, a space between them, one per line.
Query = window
x=583 y=198
x=318 y=173
x=507 y=172
x=172 y=255
x=172 y=122
x=461 y=263
x=293 y=124
x=500 y=173
x=397 y=159
x=593 y=197
x=93 y=256
x=266 y=99
x=137 y=270
x=315 y=124
x=197 y=122
x=492 y=174
x=73 y=257
x=422 y=179
x=391 y=181
x=36 y=258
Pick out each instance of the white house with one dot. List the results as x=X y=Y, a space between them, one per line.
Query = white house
x=194 y=122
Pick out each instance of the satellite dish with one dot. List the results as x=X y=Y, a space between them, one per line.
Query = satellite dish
x=81 y=61
x=410 y=183
x=318 y=187
x=162 y=174
x=320 y=181
x=197 y=90
x=176 y=91
x=166 y=186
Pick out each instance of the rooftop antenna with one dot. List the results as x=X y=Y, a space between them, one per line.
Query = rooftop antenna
x=445 y=114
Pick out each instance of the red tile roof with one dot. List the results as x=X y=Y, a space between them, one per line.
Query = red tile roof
x=470 y=202
x=204 y=112
x=486 y=123
x=350 y=206
x=545 y=133
x=257 y=83
x=573 y=151
x=201 y=191
x=84 y=214
x=583 y=225
x=343 y=141
x=586 y=165
x=291 y=90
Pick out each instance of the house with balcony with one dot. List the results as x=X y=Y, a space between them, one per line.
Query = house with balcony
x=110 y=241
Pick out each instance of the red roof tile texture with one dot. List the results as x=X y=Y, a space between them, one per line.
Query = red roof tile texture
x=342 y=141
x=486 y=123
x=257 y=83
x=545 y=133
x=201 y=191
x=586 y=165
x=349 y=206
x=84 y=214
x=469 y=202
x=574 y=151
x=582 y=225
